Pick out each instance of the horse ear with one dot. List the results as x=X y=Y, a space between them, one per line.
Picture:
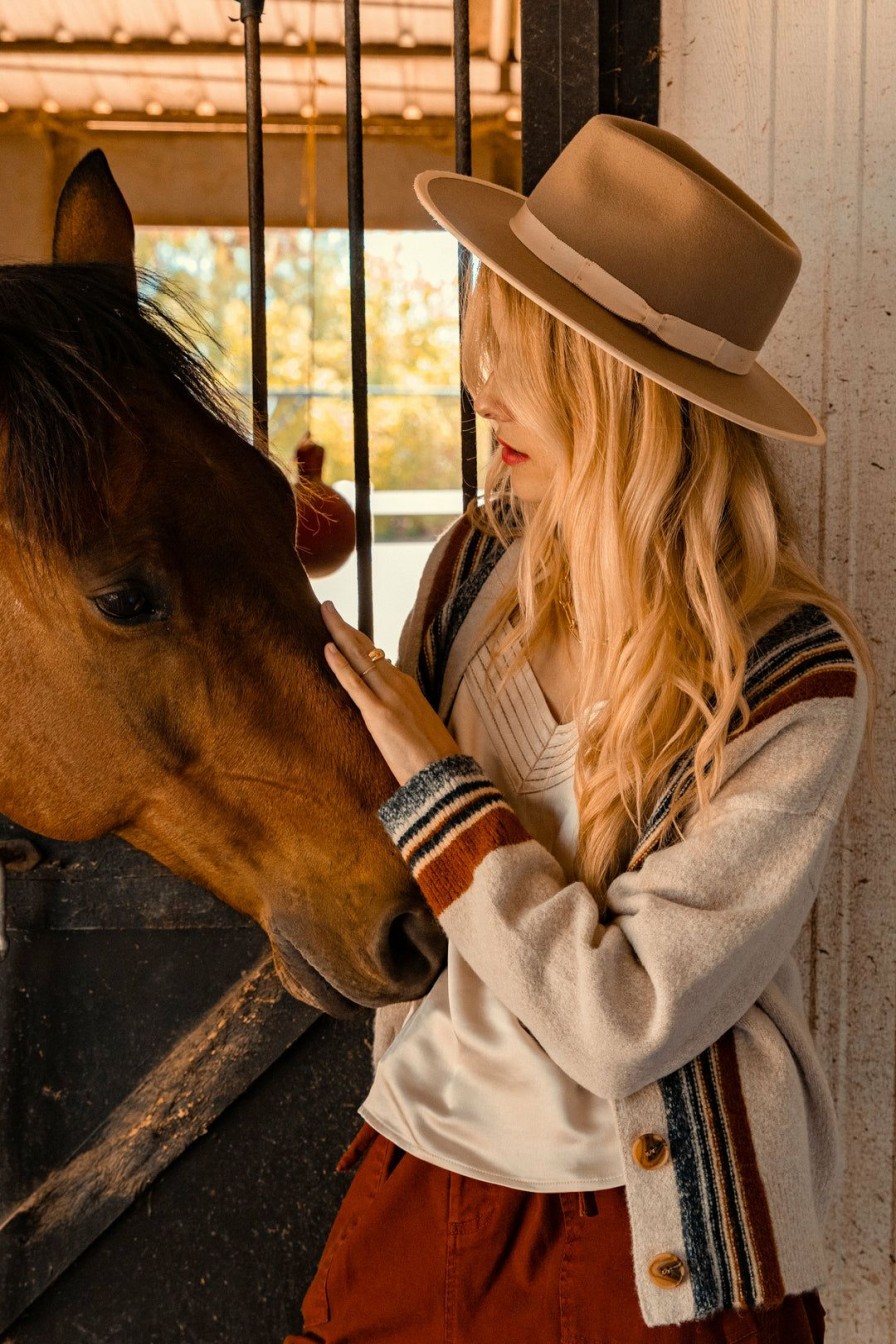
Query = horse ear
x=93 y=222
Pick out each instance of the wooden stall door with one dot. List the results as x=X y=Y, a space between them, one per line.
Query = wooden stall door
x=169 y=1117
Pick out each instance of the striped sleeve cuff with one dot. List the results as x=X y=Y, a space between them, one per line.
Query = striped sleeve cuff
x=444 y=820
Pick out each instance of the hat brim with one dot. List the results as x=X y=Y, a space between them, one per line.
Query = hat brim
x=477 y=213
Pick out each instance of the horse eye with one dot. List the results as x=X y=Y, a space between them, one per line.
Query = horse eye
x=127 y=604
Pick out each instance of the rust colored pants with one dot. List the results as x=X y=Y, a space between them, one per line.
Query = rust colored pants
x=418 y=1254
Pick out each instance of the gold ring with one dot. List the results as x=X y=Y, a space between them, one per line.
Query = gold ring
x=380 y=657
x=376 y=654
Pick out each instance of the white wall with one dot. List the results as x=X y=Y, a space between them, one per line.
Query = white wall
x=797 y=102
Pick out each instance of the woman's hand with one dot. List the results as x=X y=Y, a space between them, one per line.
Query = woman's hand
x=402 y=723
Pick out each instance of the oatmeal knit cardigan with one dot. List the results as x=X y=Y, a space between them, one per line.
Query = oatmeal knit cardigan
x=681 y=1000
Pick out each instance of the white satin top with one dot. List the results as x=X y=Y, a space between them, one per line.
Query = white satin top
x=464 y=1084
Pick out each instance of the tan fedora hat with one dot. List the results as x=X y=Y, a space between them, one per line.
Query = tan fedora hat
x=642 y=245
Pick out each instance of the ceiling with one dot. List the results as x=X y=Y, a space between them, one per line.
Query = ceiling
x=152 y=62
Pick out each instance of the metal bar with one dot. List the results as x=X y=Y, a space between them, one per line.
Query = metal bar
x=250 y=16
x=463 y=163
x=355 y=166
x=432 y=130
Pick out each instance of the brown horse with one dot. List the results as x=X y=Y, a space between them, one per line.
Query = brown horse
x=161 y=649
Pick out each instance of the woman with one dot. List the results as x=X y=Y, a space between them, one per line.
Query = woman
x=625 y=724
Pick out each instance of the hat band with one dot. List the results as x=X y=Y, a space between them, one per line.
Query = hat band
x=600 y=285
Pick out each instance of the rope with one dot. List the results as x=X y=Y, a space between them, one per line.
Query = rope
x=311 y=211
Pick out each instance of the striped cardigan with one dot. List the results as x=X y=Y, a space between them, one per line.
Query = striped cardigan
x=681 y=1000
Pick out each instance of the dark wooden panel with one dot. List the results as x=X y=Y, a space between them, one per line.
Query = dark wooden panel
x=83 y=1016
x=107 y=884
x=581 y=57
x=175 y=1101
x=222 y=1246
x=629 y=38
x=134 y=1007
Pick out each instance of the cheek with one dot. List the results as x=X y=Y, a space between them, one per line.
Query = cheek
x=63 y=773
x=545 y=470
x=530 y=487
x=68 y=763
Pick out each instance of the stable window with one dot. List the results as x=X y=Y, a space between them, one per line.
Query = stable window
x=413 y=385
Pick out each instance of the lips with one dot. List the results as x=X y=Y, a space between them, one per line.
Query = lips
x=510 y=456
x=304 y=983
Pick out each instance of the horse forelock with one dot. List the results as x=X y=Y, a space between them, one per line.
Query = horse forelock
x=71 y=342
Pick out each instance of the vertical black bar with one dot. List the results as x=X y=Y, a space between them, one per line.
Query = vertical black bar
x=250 y=15
x=463 y=163
x=355 y=163
x=559 y=78
x=580 y=58
x=630 y=68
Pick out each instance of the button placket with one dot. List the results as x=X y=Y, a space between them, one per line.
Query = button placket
x=651 y=1151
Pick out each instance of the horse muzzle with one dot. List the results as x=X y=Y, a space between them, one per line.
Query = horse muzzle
x=402 y=963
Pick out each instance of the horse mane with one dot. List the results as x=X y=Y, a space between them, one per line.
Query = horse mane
x=71 y=338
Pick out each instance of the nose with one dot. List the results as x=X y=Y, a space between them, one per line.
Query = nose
x=410 y=950
x=485 y=402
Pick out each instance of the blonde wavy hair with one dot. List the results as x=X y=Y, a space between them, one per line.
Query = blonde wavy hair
x=667 y=527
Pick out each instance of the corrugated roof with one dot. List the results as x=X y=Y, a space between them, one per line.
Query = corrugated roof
x=173 y=57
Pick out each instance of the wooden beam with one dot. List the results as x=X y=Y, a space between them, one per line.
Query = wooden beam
x=560 y=77
x=208 y=1068
x=184 y=180
x=150 y=46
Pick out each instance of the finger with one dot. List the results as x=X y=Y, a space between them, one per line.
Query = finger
x=347 y=638
x=354 y=644
x=364 y=696
x=336 y=622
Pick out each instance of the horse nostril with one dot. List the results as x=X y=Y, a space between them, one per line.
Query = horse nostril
x=413 y=949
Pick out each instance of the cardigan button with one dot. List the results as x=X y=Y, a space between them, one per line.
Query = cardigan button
x=650 y=1150
x=667 y=1270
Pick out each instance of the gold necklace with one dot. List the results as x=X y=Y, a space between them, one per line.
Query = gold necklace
x=564 y=598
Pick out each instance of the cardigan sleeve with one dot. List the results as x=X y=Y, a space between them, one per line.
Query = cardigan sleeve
x=689 y=940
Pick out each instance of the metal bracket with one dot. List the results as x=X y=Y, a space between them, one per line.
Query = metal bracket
x=19 y=856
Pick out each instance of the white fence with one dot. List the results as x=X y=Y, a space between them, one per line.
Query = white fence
x=410 y=503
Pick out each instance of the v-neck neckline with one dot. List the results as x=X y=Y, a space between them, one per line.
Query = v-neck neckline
x=527 y=672
x=549 y=745
x=538 y=749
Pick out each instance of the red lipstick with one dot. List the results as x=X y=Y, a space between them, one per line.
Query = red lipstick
x=510 y=456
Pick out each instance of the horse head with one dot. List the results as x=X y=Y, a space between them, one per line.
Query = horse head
x=161 y=649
